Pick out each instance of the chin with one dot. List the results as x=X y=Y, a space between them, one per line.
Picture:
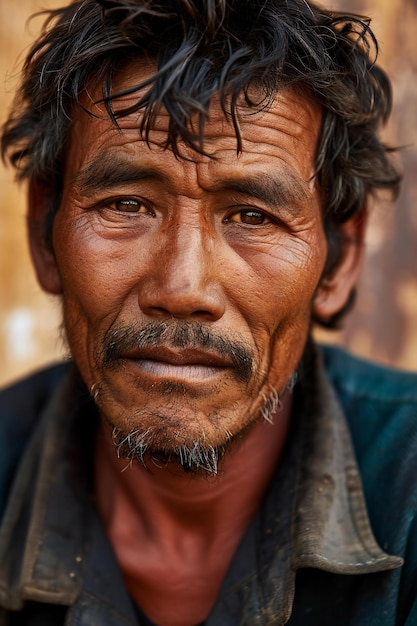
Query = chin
x=176 y=435
x=187 y=447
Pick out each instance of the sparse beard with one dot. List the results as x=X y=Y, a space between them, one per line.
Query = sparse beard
x=162 y=440
x=198 y=457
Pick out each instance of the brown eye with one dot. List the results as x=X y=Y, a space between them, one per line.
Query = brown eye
x=249 y=217
x=129 y=206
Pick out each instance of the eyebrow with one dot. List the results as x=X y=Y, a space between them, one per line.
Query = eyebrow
x=286 y=190
x=108 y=171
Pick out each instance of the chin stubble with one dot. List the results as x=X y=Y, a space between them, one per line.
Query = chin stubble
x=197 y=458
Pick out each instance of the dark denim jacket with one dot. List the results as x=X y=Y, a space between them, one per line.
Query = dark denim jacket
x=308 y=559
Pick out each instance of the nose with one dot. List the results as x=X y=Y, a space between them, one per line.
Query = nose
x=182 y=278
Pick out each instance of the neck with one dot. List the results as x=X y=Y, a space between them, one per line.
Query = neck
x=170 y=488
x=167 y=515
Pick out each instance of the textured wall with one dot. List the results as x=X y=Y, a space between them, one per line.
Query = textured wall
x=28 y=318
x=384 y=325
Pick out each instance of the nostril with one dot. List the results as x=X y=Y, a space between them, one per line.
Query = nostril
x=176 y=314
x=179 y=309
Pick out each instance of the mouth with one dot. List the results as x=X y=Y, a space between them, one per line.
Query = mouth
x=188 y=365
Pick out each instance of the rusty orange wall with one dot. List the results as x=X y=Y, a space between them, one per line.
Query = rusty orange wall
x=28 y=319
x=384 y=325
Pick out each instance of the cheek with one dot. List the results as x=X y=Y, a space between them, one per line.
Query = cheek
x=283 y=288
x=95 y=287
x=281 y=280
x=93 y=273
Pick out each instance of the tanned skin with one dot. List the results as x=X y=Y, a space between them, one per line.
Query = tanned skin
x=235 y=244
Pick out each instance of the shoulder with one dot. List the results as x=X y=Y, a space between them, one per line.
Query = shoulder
x=380 y=405
x=22 y=402
x=358 y=378
x=20 y=407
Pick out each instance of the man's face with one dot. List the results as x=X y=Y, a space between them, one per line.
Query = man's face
x=188 y=283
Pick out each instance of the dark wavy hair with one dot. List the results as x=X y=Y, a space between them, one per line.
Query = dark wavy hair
x=206 y=47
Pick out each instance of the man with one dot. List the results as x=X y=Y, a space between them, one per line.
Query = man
x=198 y=183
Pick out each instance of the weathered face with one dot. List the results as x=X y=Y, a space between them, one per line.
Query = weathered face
x=188 y=283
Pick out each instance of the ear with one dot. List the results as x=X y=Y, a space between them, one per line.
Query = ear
x=40 y=209
x=335 y=289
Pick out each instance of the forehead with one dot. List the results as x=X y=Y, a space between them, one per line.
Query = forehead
x=285 y=134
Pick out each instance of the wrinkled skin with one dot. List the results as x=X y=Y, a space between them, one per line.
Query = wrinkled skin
x=233 y=244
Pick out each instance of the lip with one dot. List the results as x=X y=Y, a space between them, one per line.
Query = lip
x=188 y=365
x=189 y=356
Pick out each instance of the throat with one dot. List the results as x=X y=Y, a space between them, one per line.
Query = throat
x=174 y=535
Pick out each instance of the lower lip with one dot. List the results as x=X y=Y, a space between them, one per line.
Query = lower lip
x=184 y=373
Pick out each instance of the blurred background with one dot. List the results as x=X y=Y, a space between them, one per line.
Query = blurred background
x=383 y=326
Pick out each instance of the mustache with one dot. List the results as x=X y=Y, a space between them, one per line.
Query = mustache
x=175 y=334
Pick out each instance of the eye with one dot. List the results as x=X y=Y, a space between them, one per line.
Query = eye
x=130 y=205
x=249 y=217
